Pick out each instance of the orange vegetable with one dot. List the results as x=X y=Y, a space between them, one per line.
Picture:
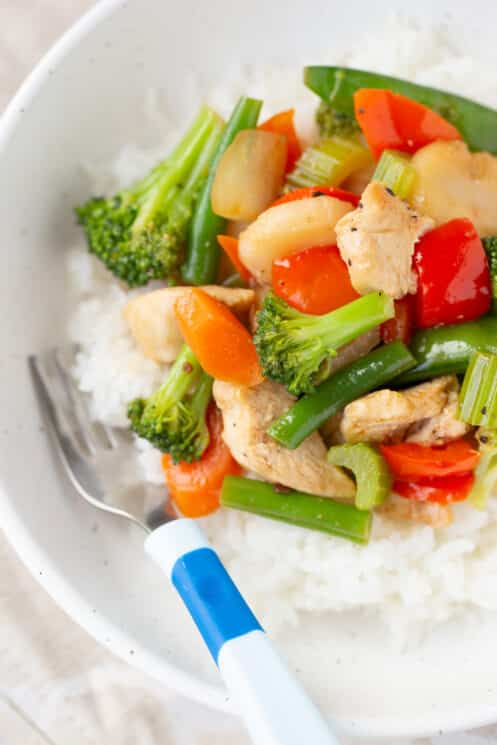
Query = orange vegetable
x=394 y=122
x=229 y=244
x=314 y=191
x=195 y=487
x=315 y=280
x=221 y=343
x=282 y=124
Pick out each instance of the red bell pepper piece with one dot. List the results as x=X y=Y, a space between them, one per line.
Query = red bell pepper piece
x=282 y=124
x=401 y=327
x=442 y=490
x=315 y=280
x=454 y=279
x=409 y=461
x=395 y=122
x=316 y=191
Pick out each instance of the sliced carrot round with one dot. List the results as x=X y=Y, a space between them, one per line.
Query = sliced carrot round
x=221 y=343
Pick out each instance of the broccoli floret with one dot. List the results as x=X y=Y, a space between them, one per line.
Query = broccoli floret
x=296 y=349
x=140 y=233
x=490 y=245
x=173 y=418
x=332 y=122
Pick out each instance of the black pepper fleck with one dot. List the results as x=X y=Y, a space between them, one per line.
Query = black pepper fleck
x=484 y=439
x=360 y=205
x=318 y=194
x=353 y=230
x=389 y=191
x=361 y=110
x=484 y=410
x=349 y=262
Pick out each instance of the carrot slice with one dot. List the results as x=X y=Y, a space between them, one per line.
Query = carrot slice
x=282 y=124
x=218 y=339
x=229 y=244
x=195 y=487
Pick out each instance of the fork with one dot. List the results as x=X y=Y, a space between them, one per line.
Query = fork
x=274 y=706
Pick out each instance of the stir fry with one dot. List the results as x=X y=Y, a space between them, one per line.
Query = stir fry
x=328 y=313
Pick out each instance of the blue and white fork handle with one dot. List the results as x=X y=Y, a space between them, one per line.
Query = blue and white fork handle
x=274 y=706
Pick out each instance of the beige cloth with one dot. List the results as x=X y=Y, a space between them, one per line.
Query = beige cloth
x=57 y=686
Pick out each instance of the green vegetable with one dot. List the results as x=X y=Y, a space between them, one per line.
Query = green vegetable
x=173 y=418
x=329 y=162
x=337 y=85
x=446 y=350
x=364 y=375
x=486 y=471
x=202 y=258
x=331 y=122
x=372 y=475
x=296 y=508
x=295 y=348
x=490 y=246
x=395 y=171
x=478 y=397
x=140 y=233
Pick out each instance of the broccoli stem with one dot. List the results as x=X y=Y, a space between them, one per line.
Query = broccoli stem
x=183 y=373
x=181 y=207
x=364 y=375
x=297 y=508
x=202 y=260
x=343 y=325
x=202 y=395
x=160 y=190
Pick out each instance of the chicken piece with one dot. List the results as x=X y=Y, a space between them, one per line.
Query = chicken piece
x=414 y=414
x=247 y=413
x=377 y=242
x=355 y=349
x=443 y=427
x=426 y=513
x=152 y=321
x=453 y=182
x=287 y=229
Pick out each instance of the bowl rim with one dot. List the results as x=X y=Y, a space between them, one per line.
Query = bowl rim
x=62 y=592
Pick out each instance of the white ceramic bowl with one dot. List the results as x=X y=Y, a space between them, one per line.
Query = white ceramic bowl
x=83 y=102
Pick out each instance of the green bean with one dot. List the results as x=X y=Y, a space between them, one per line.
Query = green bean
x=372 y=371
x=202 y=258
x=297 y=508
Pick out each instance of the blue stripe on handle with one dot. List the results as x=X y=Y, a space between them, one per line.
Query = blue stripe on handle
x=212 y=599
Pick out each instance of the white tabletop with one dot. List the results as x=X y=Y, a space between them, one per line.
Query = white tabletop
x=57 y=686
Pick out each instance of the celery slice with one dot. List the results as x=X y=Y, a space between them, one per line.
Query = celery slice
x=395 y=172
x=478 y=398
x=372 y=475
x=329 y=163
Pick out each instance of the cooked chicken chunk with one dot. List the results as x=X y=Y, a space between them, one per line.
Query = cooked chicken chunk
x=427 y=513
x=287 y=229
x=377 y=242
x=443 y=427
x=152 y=322
x=247 y=413
x=425 y=413
x=453 y=182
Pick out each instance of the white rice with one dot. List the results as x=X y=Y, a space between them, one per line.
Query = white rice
x=412 y=577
